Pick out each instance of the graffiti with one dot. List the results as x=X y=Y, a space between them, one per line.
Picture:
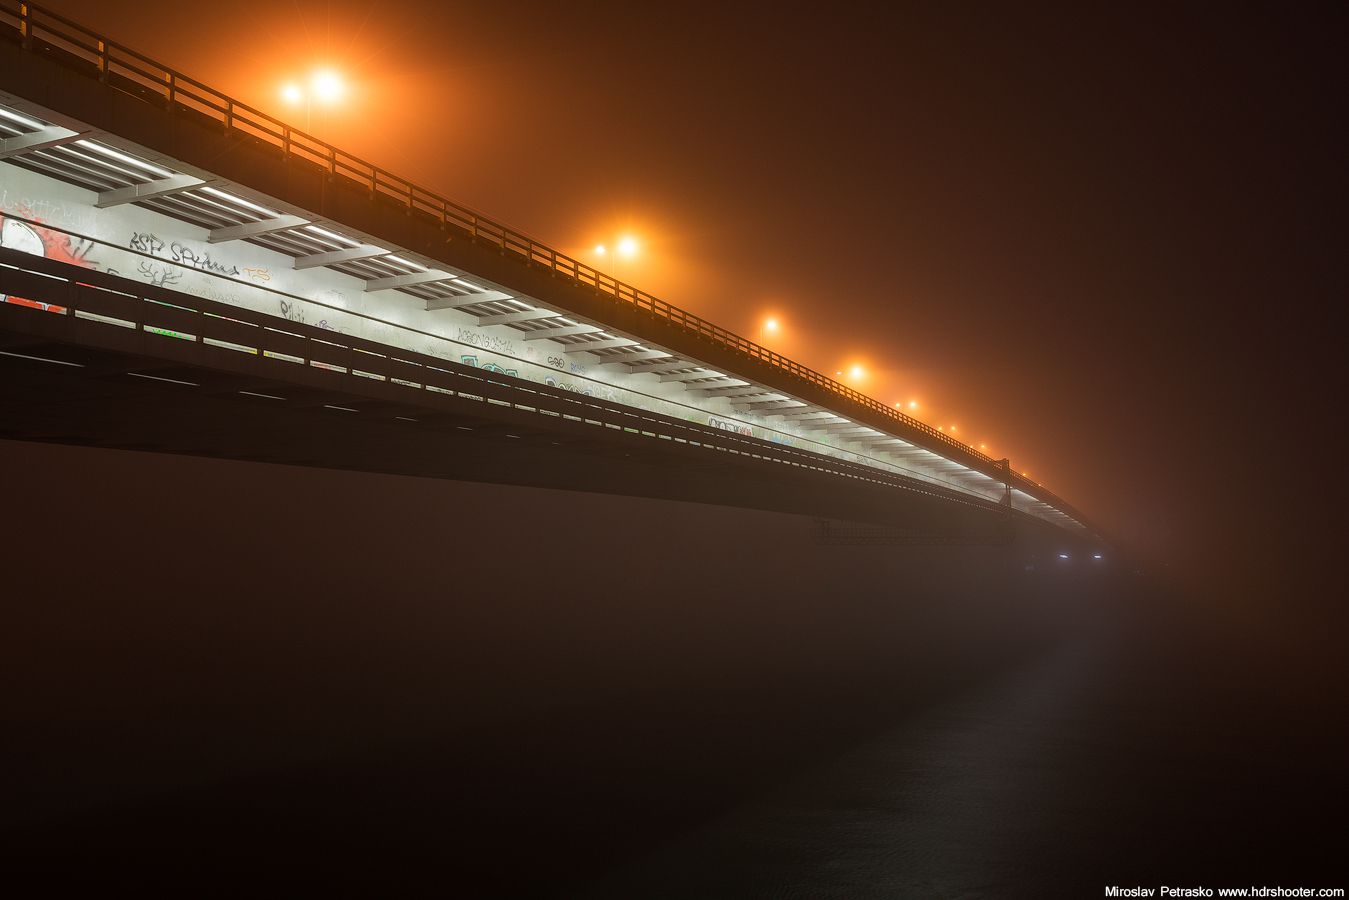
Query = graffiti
x=30 y=237
x=291 y=312
x=259 y=274
x=487 y=342
x=149 y=242
x=145 y=242
x=203 y=261
x=584 y=390
x=725 y=425
x=323 y=323
x=577 y=369
x=557 y=362
x=470 y=360
x=158 y=274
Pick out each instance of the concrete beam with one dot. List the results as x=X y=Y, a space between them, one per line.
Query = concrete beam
x=690 y=376
x=803 y=411
x=254 y=229
x=346 y=254
x=525 y=315
x=50 y=136
x=730 y=390
x=408 y=279
x=566 y=331
x=668 y=367
x=593 y=345
x=840 y=427
x=767 y=406
x=465 y=300
x=160 y=187
x=637 y=356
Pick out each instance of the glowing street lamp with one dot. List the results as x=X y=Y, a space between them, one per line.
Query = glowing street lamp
x=767 y=327
x=624 y=246
x=325 y=86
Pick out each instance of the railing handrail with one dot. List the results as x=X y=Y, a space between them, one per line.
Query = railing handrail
x=174 y=86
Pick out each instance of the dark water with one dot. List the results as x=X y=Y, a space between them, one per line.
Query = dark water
x=1147 y=747
x=246 y=681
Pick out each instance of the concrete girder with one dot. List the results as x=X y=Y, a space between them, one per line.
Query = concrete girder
x=690 y=376
x=526 y=315
x=731 y=390
x=48 y=136
x=463 y=300
x=255 y=229
x=592 y=345
x=668 y=368
x=407 y=279
x=564 y=331
x=346 y=254
x=639 y=356
x=160 y=187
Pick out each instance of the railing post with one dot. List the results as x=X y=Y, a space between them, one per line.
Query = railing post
x=102 y=60
x=26 y=26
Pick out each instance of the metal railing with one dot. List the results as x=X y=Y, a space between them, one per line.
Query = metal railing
x=41 y=30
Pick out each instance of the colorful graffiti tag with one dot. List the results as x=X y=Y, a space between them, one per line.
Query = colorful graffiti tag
x=725 y=425
x=26 y=236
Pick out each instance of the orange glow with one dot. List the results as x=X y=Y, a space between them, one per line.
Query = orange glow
x=856 y=372
x=328 y=86
x=291 y=93
x=771 y=325
x=627 y=246
x=913 y=404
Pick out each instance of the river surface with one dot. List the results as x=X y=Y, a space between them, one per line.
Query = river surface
x=1136 y=752
x=242 y=680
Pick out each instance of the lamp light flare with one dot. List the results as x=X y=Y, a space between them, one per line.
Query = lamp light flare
x=328 y=85
x=913 y=404
x=856 y=372
x=600 y=249
x=771 y=325
x=628 y=246
x=291 y=93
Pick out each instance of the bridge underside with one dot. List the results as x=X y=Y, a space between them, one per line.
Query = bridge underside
x=83 y=361
x=121 y=400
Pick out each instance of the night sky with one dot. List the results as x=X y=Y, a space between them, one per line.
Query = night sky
x=1100 y=242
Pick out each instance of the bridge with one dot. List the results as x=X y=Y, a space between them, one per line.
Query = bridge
x=185 y=273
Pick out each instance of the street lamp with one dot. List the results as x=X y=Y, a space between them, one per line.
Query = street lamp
x=768 y=326
x=325 y=86
x=623 y=246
